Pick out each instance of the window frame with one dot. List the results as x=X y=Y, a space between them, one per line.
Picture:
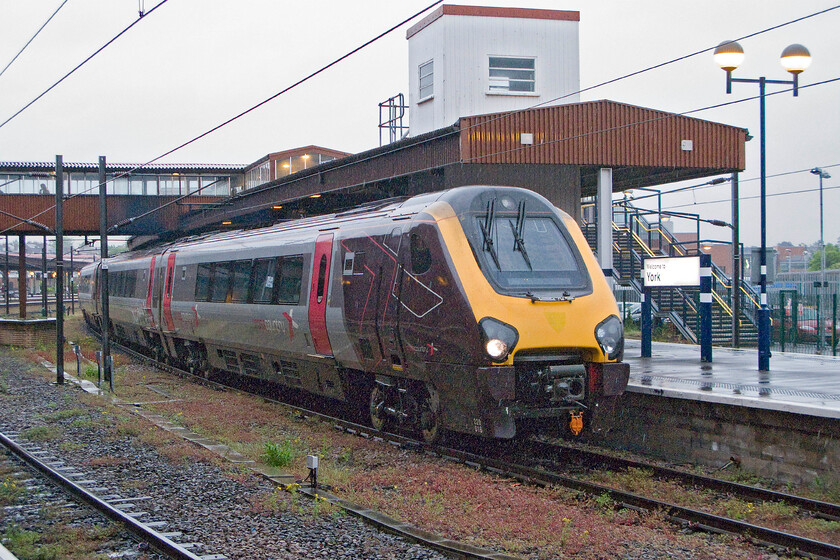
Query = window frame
x=497 y=90
x=421 y=76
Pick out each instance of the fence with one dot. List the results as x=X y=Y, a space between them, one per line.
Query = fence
x=805 y=314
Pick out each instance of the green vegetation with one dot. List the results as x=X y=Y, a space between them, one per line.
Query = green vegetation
x=280 y=455
x=41 y=433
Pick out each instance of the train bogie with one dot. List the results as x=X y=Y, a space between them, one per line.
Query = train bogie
x=479 y=309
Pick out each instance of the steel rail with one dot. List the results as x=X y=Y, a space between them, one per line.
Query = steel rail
x=679 y=514
x=693 y=518
x=141 y=532
x=826 y=509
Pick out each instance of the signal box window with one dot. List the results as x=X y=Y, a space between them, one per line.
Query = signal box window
x=264 y=270
x=290 y=274
x=427 y=79
x=241 y=276
x=510 y=74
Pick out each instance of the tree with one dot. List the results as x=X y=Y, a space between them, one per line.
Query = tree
x=832 y=258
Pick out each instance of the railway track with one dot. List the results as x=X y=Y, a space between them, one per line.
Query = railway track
x=685 y=516
x=73 y=483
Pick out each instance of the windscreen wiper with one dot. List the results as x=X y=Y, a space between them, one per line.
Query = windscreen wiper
x=487 y=231
x=519 y=234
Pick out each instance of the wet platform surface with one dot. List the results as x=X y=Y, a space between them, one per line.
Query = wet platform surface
x=799 y=383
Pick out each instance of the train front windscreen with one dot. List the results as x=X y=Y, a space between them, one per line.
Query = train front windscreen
x=524 y=249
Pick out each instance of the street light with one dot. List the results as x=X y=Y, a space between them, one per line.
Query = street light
x=795 y=59
x=823 y=175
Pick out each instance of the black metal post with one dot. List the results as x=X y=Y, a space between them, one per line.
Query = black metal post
x=103 y=276
x=22 y=277
x=6 y=274
x=736 y=264
x=764 y=311
x=647 y=312
x=44 y=310
x=705 y=310
x=59 y=270
x=72 y=283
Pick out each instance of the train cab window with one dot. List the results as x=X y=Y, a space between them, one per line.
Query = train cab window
x=241 y=280
x=264 y=270
x=289 y=276
x=202 y=281
x=421 y=257
x=221 y=282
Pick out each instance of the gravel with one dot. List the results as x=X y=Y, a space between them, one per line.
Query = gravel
x=228 y=517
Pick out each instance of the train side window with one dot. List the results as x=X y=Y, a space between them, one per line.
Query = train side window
x=241 y=277
x=264 y=270
x=221 y=282
x=202 y=281
x=421 y=257
x=289 y=276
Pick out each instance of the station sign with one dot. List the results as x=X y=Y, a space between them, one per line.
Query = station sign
x=672 y=271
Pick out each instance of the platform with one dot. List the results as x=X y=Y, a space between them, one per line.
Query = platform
x=798 y=383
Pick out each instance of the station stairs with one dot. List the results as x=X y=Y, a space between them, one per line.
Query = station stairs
x=635 y=237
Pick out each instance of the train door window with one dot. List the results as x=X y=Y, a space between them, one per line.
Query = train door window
x=158 y=284
x=241 y=279
x=421 y=257
x=221 y=282
x=290 y=274
x=169 y=283
x=202 y=281
x=264 y=270
x=322 y=278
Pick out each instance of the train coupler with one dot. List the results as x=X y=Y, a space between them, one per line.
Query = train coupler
x=576 y=422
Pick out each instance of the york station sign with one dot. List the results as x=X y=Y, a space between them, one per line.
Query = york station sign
x=672 y=271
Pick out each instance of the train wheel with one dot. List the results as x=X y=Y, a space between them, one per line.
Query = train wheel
x=430 y=419
x=378 y=417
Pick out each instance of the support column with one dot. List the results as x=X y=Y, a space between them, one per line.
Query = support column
x=44 y=303
x=604 y=223
x=6 y=283
x=22 y=278
x=705 y=308
x=59 y=270
x=736 y=265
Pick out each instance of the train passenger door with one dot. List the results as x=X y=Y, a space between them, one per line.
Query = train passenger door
x=150 y=286
x=167 y=293
x=157 y=291
x=318 y=294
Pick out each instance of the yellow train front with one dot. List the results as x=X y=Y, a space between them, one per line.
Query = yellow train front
x=506 y=316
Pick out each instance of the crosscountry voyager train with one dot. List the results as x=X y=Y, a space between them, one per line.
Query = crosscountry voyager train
x=478 y=309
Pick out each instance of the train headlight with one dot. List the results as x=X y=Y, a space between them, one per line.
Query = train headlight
x=499 y=338
x=610 y=336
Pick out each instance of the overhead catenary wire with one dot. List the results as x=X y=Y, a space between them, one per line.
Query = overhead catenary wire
x=82 y=63
x=550 y=142
x=3 y=71
x=252 y=108
x=502 y=115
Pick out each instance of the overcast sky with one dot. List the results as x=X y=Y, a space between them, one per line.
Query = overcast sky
x=192 y=64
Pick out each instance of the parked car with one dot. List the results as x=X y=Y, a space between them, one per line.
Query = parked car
x=631 y=311
x=807 y=325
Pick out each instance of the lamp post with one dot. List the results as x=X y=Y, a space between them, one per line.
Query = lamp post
x=820 y=321
x=795 y=59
